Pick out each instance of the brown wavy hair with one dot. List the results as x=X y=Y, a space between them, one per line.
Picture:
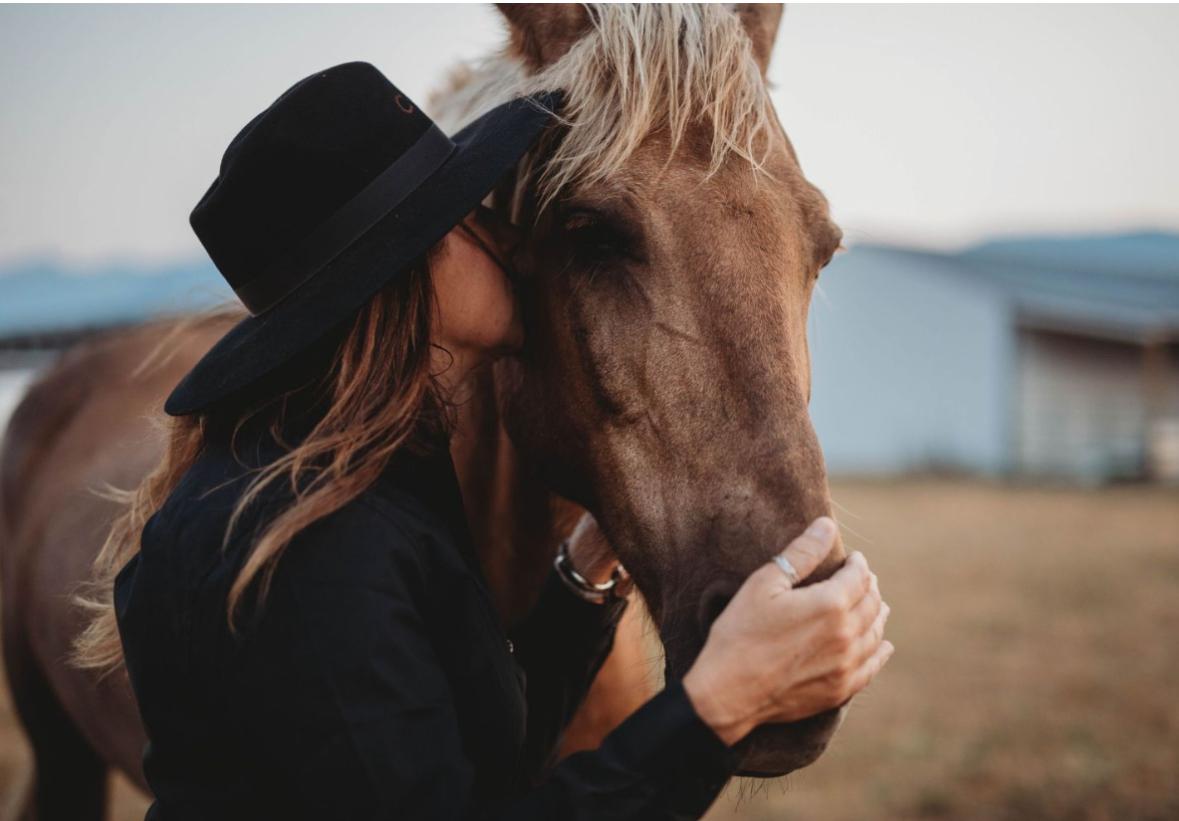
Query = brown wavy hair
x=379 y=395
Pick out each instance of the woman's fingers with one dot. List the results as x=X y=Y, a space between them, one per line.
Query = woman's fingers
x=807 y=552
x=868 y=642
x=843 y=590
x=866 y=610
x=868 y=670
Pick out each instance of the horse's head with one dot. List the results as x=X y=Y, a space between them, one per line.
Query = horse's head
x=676 y=246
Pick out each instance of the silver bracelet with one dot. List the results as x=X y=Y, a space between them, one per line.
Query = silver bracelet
x=617 y=587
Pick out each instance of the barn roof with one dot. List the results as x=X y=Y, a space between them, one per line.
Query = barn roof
x=1123 y=286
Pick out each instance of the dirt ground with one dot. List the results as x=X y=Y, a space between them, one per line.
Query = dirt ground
x=1036 y=673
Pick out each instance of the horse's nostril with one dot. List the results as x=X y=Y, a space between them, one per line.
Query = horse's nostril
x=715 y=599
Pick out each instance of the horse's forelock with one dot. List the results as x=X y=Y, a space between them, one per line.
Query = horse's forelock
x=639 y=69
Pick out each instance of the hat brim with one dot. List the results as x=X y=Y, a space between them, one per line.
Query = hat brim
x=259 y=345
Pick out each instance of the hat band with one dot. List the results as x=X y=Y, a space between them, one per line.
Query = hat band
x=343 y=228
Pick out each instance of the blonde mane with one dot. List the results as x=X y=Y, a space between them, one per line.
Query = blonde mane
x=639 y=69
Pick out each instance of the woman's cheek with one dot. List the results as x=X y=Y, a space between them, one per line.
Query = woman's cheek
x=476 y=302
x=499 y=310
x=493 y=315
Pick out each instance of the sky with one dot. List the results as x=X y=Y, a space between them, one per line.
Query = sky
x=932 y=125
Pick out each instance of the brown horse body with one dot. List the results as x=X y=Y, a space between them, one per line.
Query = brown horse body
x=673 y=250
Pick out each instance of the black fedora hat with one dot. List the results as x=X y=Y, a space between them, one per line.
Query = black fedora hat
x=322 y=199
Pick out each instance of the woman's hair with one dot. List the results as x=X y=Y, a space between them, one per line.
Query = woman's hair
x=378 y=394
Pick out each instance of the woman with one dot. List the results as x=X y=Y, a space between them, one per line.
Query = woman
x=302 y=615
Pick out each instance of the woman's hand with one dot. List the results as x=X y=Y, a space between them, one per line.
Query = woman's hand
x=777 y=654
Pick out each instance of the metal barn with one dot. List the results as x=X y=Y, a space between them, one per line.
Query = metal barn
x=1041 y=357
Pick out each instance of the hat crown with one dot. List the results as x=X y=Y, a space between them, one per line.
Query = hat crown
x=297 y=162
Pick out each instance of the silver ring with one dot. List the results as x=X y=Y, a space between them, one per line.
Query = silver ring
x=788 y=569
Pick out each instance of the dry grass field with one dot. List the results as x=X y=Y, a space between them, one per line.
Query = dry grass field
x=1037 y=665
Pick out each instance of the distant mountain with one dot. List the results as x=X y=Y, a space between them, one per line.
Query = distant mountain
x=43 y=296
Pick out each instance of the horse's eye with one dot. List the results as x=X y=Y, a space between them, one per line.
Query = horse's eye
x=580 y=221
x=825 y=261
x=830 y=244
x=594 y=234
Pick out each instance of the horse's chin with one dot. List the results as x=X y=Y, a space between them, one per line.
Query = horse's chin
x=774 y=750
x=771 y=750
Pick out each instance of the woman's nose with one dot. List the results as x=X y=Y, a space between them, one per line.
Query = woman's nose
x=506 y=235
x=510 y=237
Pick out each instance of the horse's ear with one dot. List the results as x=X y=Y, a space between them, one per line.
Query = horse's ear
x=543 y=32
x=761 y=24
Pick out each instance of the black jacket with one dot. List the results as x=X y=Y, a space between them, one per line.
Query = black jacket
x=376 y=682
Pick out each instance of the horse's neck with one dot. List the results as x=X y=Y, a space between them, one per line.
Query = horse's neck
x=515 y=521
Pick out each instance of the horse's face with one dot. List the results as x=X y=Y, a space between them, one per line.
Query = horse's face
x=666 y=380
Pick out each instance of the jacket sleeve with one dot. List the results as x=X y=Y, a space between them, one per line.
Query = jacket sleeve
x=561 y=645
x=355 y=713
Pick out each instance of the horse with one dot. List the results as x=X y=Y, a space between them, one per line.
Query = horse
x=673 y=248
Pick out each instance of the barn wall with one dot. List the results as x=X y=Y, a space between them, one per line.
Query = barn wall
x=1084 y=408
x=912 y=366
